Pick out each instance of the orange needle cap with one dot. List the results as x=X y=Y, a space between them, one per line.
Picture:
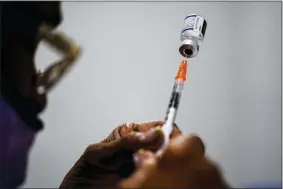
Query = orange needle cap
x=182 y=72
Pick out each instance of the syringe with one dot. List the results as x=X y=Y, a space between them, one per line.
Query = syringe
x=171 y=113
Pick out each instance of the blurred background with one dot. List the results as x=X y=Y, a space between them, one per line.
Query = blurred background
x=232 y=97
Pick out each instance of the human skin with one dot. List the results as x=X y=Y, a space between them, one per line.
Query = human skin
x=105 y=164
x=110 y=164
x=183 y=165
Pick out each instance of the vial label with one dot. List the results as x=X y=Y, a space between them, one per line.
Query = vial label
x=195 y=25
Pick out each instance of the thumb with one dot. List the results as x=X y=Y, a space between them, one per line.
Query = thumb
x=146 y=164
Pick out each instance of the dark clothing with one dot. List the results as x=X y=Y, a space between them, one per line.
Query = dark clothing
x=16 y=140
x=20 y=103
x=19 y=24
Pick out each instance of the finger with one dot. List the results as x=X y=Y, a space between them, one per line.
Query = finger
x=118 y=133
x=126 y=129
x=146 y=126
x=195 y=144
x=151 y=140
x=123 y=137
x=146 y=166
x=185 y=147
x=191 y=144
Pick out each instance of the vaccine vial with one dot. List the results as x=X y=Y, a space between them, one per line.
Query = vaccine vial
x=192 y=35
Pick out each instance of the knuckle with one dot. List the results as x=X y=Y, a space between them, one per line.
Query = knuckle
x=195 y=138
x=129 y=142
x=126 y=140
x=87 y=155
x=187 y=147
x=88 y=148
x=146 y=126
x=197 y=143
x=116 y=133
x=91 y=148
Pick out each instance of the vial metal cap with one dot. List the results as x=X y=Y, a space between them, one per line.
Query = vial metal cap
x=189 y=48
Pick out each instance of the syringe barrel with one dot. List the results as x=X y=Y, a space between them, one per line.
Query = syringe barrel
x=175 y=97
x=192 y=35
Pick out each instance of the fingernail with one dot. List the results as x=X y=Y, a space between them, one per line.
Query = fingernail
x=150 y=134
x=138 y=157
x=158 y=130
x=141 y=151
x=153 y=133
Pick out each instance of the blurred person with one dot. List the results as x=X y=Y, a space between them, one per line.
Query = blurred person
x=20 y=102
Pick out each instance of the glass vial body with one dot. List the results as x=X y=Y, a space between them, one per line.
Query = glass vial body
x=192 y=35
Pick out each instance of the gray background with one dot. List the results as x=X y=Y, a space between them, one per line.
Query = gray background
x=232 y=98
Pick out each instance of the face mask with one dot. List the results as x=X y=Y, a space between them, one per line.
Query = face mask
x=16 y=140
